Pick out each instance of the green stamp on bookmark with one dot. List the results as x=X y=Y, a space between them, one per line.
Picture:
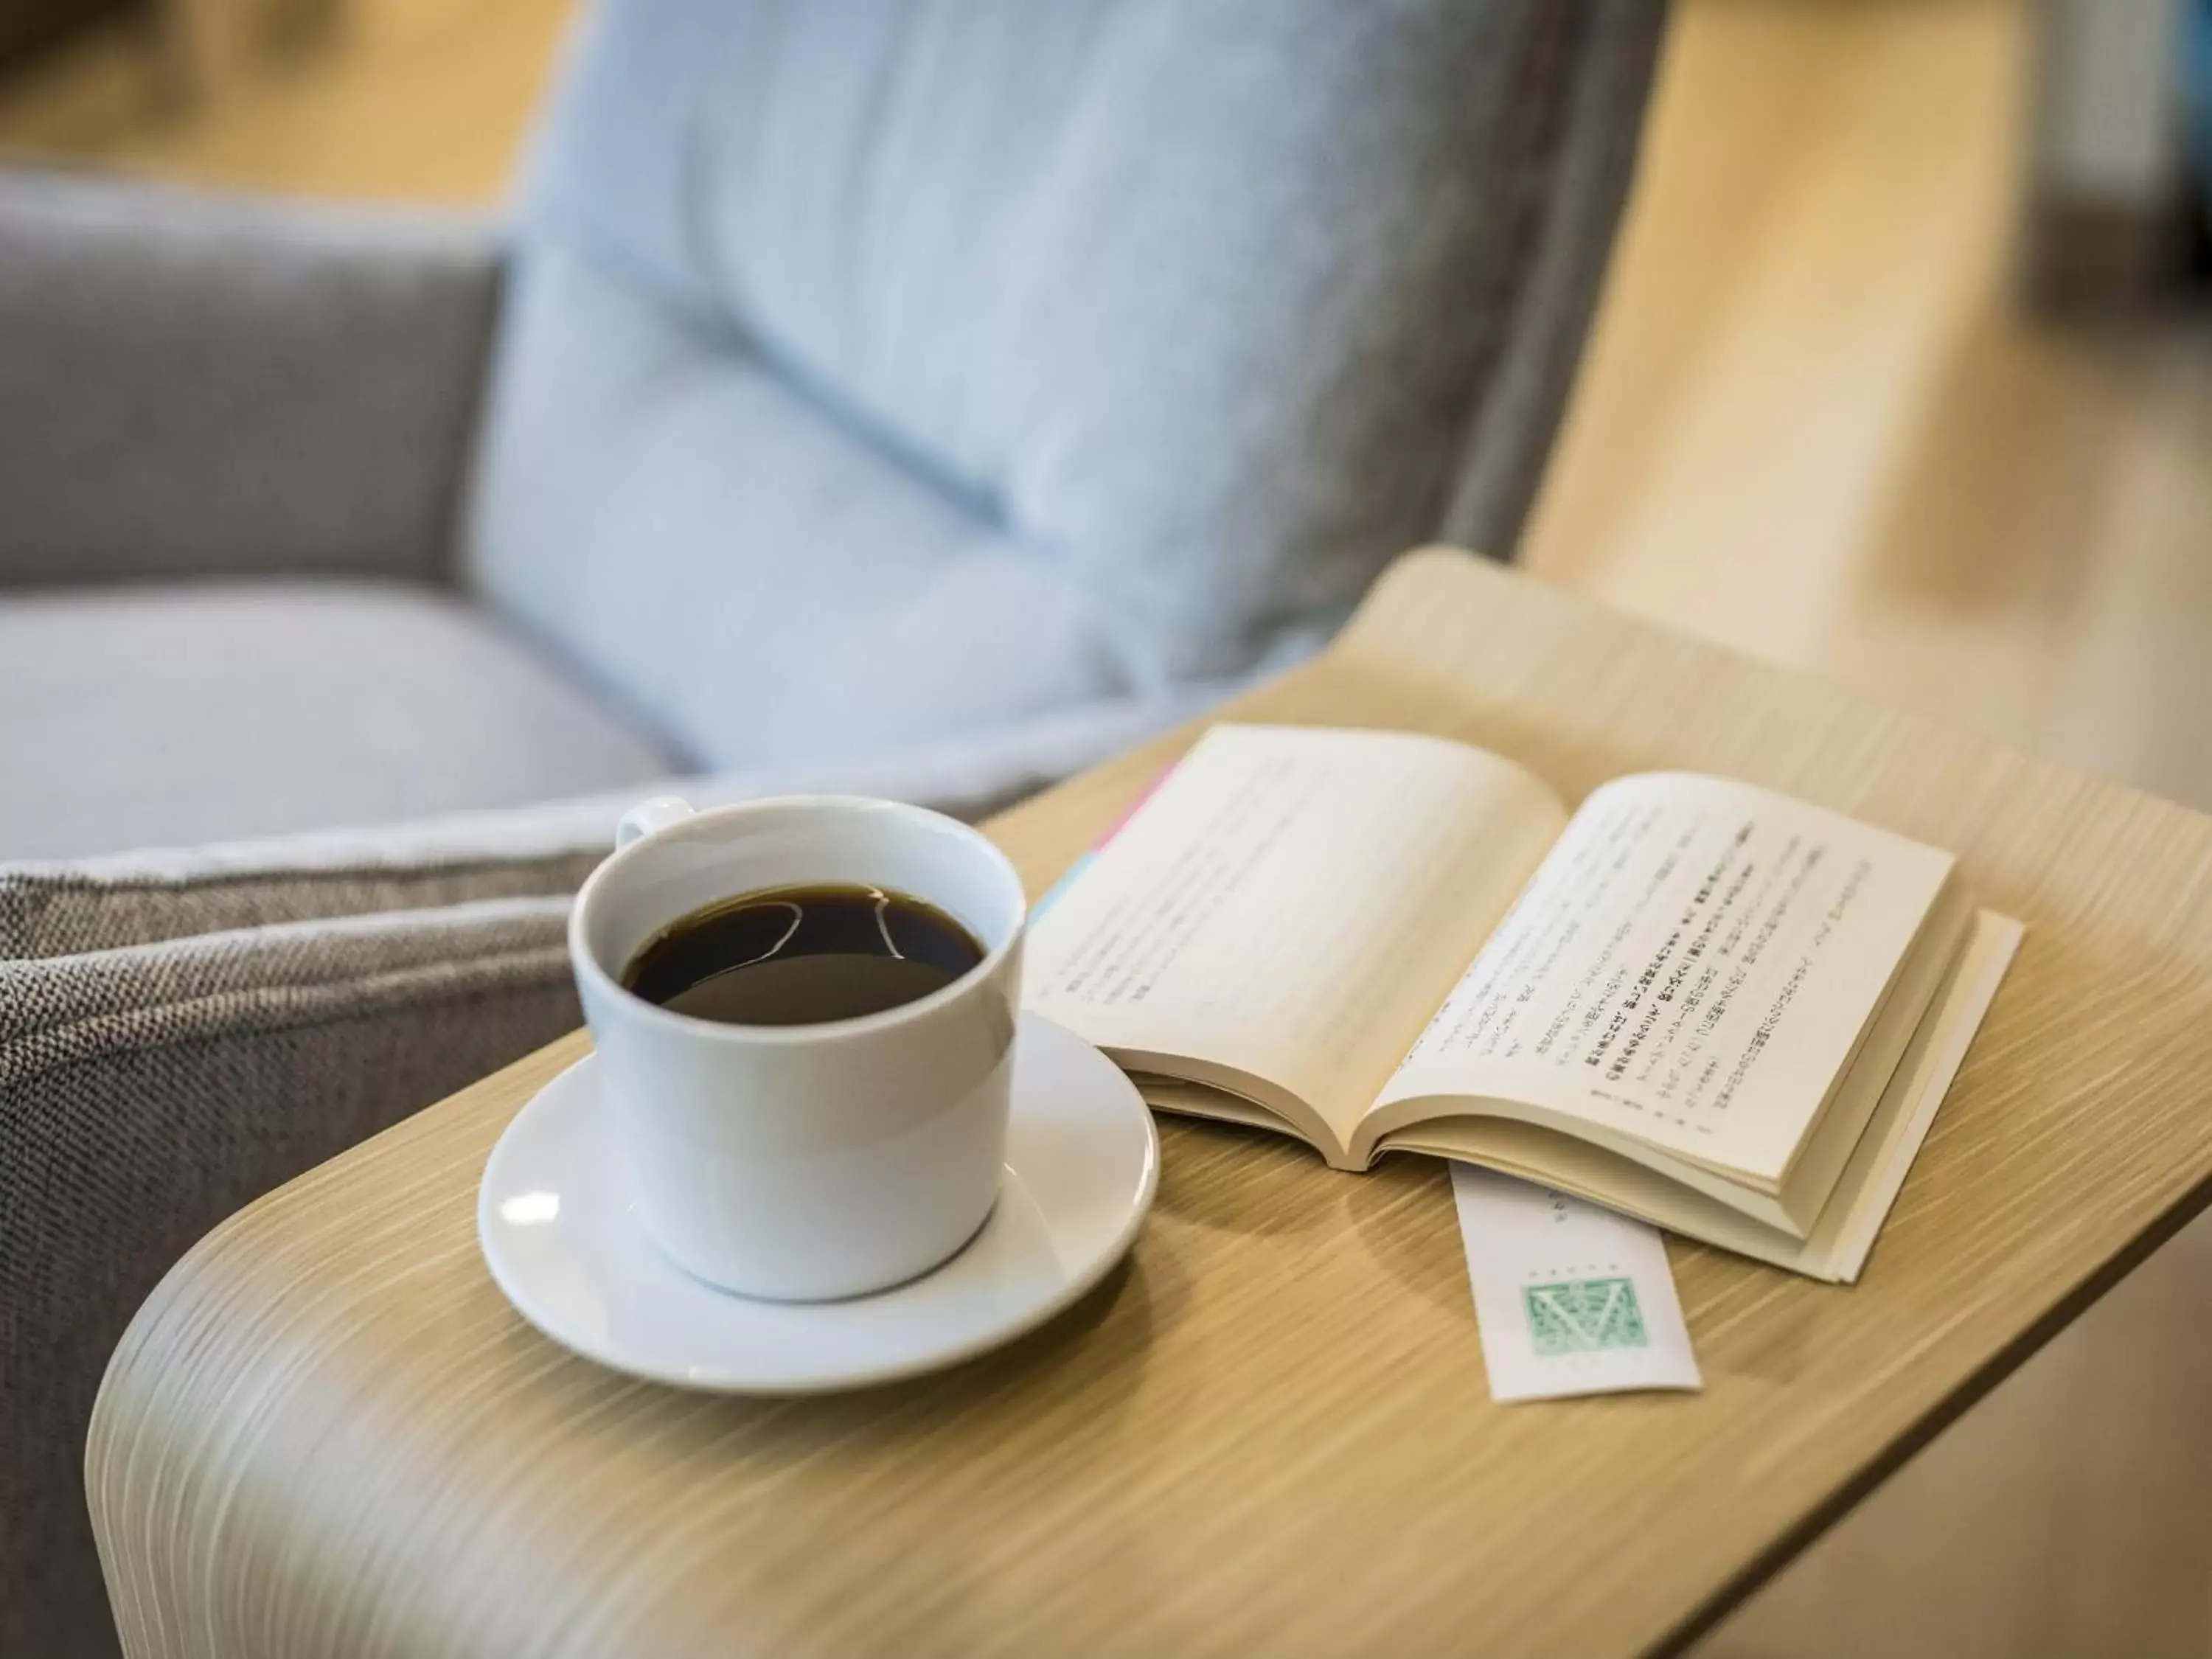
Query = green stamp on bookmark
x=1583 y=1316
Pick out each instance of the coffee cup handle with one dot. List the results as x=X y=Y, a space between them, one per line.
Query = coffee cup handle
x=648 y=816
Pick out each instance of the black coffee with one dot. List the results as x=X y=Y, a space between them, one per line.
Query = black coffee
x=798 y=955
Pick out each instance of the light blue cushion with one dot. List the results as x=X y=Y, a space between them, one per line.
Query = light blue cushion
x=765 y=582
x=881 y=366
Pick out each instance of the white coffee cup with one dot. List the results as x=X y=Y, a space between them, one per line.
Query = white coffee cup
x=804 y=1162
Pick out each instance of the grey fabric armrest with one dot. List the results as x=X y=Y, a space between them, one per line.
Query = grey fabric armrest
x=180 y=1032
x=146 y=1093
x=194 y=384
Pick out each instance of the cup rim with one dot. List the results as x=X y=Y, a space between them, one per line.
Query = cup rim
x=586 y=964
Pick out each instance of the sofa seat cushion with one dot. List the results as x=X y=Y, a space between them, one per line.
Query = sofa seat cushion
x=158 y=716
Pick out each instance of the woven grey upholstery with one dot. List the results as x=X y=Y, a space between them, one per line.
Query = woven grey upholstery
x=149 y=1091
x=62 y=911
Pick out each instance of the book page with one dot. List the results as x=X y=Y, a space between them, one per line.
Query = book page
x=1693 y=966
x=1289 y=905
x=1835 y=1247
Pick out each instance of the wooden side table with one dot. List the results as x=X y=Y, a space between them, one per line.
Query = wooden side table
x=326 y=1432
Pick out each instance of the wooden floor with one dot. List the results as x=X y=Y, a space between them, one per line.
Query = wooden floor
x=1809 y=427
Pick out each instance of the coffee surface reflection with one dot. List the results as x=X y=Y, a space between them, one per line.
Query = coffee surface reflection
x=801 y=956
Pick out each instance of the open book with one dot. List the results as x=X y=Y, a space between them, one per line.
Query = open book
x=1695 y=1001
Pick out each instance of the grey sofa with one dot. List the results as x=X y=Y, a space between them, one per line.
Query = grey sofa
x=922 y=401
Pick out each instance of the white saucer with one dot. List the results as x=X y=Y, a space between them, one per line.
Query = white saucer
x=554 y=1217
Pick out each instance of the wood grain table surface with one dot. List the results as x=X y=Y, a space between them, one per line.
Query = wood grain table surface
x=326 y=1432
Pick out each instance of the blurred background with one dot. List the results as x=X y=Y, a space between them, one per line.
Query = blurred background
x=1902 y=336
x=1902 y=374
